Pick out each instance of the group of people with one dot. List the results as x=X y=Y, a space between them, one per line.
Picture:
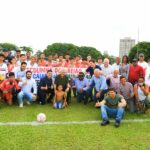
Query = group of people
x=111 y=86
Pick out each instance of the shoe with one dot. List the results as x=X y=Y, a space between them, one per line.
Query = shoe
x=28 y=103
x=21 y=105
x=105 y=122
x=117 y=124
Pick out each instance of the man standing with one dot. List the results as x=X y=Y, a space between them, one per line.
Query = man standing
x=112 y=106
x=28 y=89
x=135 y=71
x=46 y=88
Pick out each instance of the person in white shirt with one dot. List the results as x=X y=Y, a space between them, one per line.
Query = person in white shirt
x=20 y=71
x=106 y=67
x=142 y=63
x=22 y=59
x=3 y=68
x=28 y=89
x=32 y=63
x=116 y=65
x=147 y=75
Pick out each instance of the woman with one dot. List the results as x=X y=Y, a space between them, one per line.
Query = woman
x=124 y=67
x=12 y=64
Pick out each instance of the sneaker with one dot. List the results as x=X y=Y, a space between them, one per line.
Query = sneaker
x=21 y=105
x=28 y=103
x=105 y=122
x=117 y=124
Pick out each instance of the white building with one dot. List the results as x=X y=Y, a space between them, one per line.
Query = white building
x=125 y=45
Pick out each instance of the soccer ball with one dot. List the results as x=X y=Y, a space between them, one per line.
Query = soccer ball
x=41 y=117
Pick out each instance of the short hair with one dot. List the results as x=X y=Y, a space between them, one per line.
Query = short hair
x=11 y=74
x=22 y=55
x=92 y=60
x=49 y=71
x=2 y=55
x=122 y=77
x=111 y=89
x=84 y=59
x=23 y=63
x=28 y=72
x=142 y=77
x=106 y=60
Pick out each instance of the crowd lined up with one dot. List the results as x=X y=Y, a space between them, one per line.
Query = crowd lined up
x=111 y=86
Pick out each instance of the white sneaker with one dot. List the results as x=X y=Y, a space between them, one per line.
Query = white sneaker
x=21 y=105
x=28 y=102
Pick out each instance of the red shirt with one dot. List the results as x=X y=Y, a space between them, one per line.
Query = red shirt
x=135 y=72
x=5 y=85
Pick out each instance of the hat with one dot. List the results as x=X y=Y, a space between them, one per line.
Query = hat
x=134 y=60
x=141 y=55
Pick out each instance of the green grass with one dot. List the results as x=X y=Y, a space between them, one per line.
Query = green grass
x=128 y=136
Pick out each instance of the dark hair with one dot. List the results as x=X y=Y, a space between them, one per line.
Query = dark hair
x=122 y=77
x=49 y=71
x=84 y=59
x=127 y=59
x=92 y=60
x=22 y=55
x=141 y=77
x=23 y=63
x=2 y=55
x=11 y=74
x=111 y=89
x=28 y=72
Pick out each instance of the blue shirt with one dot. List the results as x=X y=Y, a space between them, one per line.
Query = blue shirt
x=81 y=84
x=99 y=83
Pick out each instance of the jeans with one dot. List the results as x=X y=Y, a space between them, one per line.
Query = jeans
x=22 y=94
x=58 y=104
x=116 y=113
x=82 y=96
x=131 y=104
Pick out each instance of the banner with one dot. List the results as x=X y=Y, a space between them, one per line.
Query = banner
x=38 y=73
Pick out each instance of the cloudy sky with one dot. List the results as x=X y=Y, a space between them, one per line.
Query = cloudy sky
x=97 y=23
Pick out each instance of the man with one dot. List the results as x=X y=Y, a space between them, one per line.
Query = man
x=116 y=65
x=9 y=87
x=3 y=68
x=91 y=67
x=126 y=90
x=22 y=59
x=142 y=63
x=46 y=88
x=114 y=79
x=106 y=67
x=99 y=62
x=112 y=106
x=7 y=55
x=135 y=71
x=98 y=81
x=28 y=56
x=63 y=80
x=18 y=52
x=28 y=89
x=20 y=71
x=81 y=84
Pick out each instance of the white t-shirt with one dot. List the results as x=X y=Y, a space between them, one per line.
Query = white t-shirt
x=106 y=70
x=29 y=65
x=3 y=71
x=143 y=64
x=147 y=76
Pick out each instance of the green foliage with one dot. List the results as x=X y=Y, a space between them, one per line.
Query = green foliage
x=142 y=47
x=8 y=46
x=72 y=50
x=27 y=49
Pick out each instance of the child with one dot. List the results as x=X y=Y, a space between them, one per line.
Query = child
x=60 y=98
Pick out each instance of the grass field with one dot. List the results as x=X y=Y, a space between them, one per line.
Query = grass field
x=129 y=136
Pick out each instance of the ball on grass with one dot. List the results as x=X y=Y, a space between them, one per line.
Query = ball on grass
x=41 y=117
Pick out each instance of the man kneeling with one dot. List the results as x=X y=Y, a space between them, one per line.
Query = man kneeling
x=112 y=106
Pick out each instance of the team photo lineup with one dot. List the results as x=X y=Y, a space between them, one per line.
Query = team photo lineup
x=26 y=79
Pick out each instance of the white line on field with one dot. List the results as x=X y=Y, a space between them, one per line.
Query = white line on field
x=35 y=123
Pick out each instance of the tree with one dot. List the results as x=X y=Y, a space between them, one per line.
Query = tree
x=72 y=50
x=8 y=46
x=27 y=49
x=142 y=47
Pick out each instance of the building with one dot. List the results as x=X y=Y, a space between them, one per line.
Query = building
x=125 y=45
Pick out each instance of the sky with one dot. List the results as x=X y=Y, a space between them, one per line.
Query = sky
x=97 y=23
